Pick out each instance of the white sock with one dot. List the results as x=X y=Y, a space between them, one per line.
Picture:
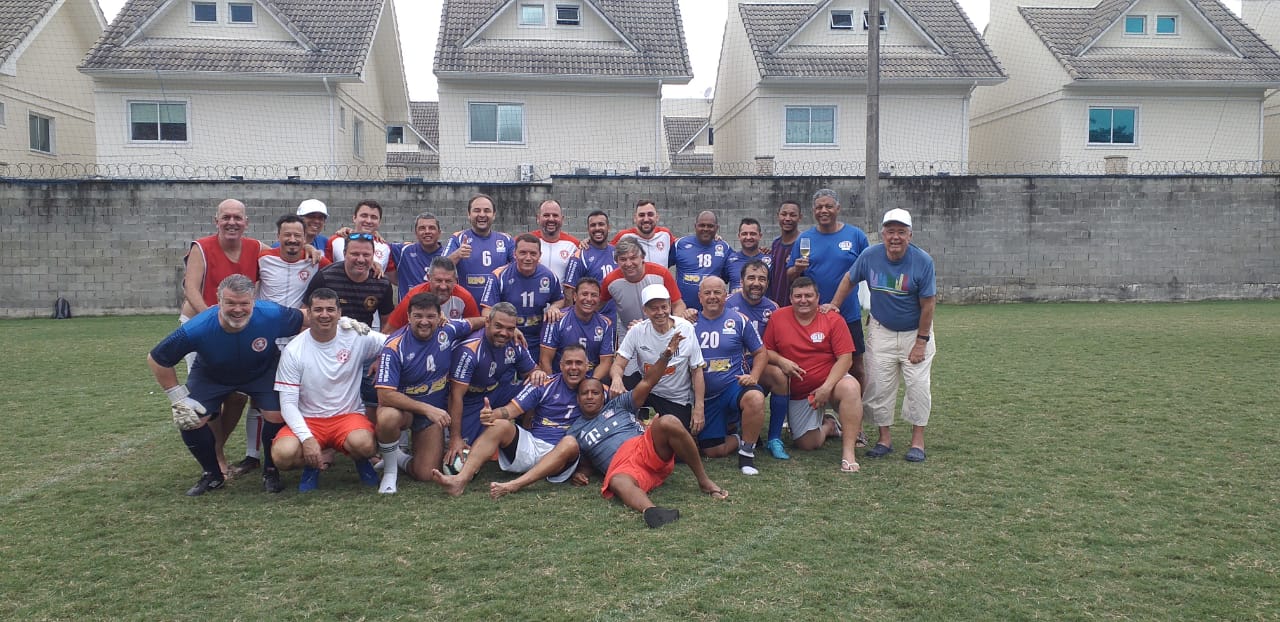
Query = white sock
x=253 y=433
x=404 y=440
x=390 y=459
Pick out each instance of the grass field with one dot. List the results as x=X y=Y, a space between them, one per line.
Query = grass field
x=1095 y=461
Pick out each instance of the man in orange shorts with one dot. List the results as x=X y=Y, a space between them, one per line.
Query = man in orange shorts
x=318 y=379
x=635 y=458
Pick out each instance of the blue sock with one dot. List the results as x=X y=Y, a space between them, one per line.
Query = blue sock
x=778 y=405
x=269 y=431
x=200 y=443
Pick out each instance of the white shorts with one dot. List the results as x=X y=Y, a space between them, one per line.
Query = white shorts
x=802 y=417
x=529 y=450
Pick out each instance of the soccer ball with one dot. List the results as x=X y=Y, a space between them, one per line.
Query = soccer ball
x=455 y=467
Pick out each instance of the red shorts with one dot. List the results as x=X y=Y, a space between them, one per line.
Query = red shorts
x=331 y=432
x=641 y=461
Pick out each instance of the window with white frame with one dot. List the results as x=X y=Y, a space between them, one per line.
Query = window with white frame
x=497 y=123
x=395 y=134
x=158 y=121
x=41 y=133
x=240 y=13
x=1135 y=24
x=357 y=137
x=866 y=23
x=568 y=15
x=1166 y=24
x=842 y=20
x=204 y=12
x=532 y=14
x=1113 y=125
x=811 y=125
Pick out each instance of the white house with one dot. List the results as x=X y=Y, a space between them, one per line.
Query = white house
x=411 y=150
x=279 y=87
x=1264 y=17
x=793 y=76
x=46 y=106
x=531 y=88
x=1159 y=86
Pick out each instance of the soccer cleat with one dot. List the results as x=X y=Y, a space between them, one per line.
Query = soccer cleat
x=368 y=475
x=310 y=479
x=208 y=481
x=271 y=481
x=776 y=449
x=248 y=465
x=656 y=517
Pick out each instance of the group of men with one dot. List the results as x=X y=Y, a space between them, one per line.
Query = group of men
x=557 y=357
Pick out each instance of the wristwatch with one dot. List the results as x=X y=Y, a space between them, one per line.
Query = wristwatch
x=924 y=337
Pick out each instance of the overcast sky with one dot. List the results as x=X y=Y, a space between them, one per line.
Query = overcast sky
x=703 y=24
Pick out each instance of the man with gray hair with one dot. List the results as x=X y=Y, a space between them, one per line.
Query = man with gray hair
x=626 y=282
x=235 y=344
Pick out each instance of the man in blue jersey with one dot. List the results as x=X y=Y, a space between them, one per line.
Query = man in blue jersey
x=530 y=287
x=734 y=397
x=413 y=373
x=698 y=256
x=480 y=250
x=749 y=236
x=593 y=259
x=901 y=345
x=488 y=364
x=235 y=344
x=413 y=259
x=751 y=302
x=548 y=410
x=582 y=326
x=634 y=457
x=825 y=253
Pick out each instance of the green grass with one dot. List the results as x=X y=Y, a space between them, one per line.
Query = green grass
x=1085 y=462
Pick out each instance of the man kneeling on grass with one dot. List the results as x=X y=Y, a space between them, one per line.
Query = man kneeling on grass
x=635 y=459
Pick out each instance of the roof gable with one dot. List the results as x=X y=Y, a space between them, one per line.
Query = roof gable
x=1072 y=34
x=320 y=37
x=938 y=43
x=425 y=117
x=618 y=38
x=21 y=21
x=901 y=28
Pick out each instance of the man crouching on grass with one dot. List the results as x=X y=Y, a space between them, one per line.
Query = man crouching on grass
x=634 y=458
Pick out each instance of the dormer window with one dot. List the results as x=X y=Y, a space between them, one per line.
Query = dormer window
x=884 y=23
x=568 y=15
x=1135 y=25
x=842 y=20
x=395 y=134
x=533 y=15
x=204 y=12
x=240 y=13
x=1166 y=24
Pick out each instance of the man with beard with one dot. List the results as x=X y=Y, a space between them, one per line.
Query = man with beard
x=749 y=251
x=593 y=259
x=530 y=287
x=558 y=247
x=699 y=256
x=657 y=241
x=480 y=250
x=751 y=302
x=582 y=326
x=235 y=343
x=734 y=396
x=366 y=219
x=780 y=253
x=456 y=302
x=314 y=213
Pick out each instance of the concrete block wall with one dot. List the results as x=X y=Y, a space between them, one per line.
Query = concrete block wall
x=116 y=247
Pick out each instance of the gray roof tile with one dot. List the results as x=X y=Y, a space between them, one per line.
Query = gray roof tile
x=425 y=117
x=653 y=26
x=336 y=34
x=680 y=130
x=1068 y=33
x=966 y=54
x=17 y=19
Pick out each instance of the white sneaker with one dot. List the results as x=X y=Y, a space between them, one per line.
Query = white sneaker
x=750 y=470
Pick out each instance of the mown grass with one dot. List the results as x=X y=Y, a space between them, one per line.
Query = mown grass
x=1085 y=461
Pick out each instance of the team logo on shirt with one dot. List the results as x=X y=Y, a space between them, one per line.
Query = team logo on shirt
x=544 y=286
x=766 y=314
x=730 y=327
x=412 y=355
x=660 y=245
x=259 y=344
x=719 y=251
x=304 y=276
x=817 y=337
x=370 y=303
x=502 y=246
x=688 y=244
x=768 y=260
x=846 y=245
x=564 y=254
x=443 y=339
x=510 y=355
x=344 y=355
x=599 y=333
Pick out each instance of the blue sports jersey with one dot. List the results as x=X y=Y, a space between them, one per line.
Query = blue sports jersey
x=595 y=334
x=420 y=369
x=896 y=287
x=737 y=260
x=488 y=371
x=412 y=264
x=600 y=436
x=488 y=253
x=758 y=315
x=723 y=341
x=554 y=405
x=596 y=263
x=830 y=257
x=530 y=295
x=693 y=262
x=232 y=358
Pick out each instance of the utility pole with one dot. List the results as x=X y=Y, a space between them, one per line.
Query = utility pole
x=873 y=108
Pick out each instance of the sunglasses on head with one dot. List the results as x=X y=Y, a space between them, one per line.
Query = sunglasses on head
x=360 y=236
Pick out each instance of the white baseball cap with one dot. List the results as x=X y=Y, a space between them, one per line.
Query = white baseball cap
x=897 y=215
x=653 y=291
x=313 y=206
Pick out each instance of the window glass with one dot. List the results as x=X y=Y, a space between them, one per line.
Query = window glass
x=842 y=20
x=1113 y=126
x=1135 y=25
x=1166 y=25
x=204 y=11
x=41 y=133
x=241 y=13
x=531 y=15
x=568 y=15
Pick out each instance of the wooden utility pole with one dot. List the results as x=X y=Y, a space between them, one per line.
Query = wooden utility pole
x=873 y=108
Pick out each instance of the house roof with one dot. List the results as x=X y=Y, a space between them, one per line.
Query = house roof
x=965 y=53
x=1069 y=34
x=333 y=38
x=425 y=117
x=17 y=19
x=680 y=132
x=652 y=28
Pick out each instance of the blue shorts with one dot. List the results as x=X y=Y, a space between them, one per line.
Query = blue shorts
x=473 y=402
x=210 y=393
x=420 y=423
x=722 y=410
x=367 y=393
x=859 y=338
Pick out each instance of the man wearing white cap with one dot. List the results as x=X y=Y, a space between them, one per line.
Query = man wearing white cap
x=314 y=213
x=681 y=390
x=900 y=342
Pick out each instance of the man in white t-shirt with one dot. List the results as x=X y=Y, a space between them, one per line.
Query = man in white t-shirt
x=284 y=271
x=367 y=219
x=681 y=390
x=318 y=379
x=558 y=247
x=656 y=240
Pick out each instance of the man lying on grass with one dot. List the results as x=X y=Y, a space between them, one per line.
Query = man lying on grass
x=634 y=458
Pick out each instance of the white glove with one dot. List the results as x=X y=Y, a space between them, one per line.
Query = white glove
x=347 y=323
x=186 y=411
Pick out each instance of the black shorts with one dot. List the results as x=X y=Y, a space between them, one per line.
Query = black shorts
x=859 y=338
x=662 y=406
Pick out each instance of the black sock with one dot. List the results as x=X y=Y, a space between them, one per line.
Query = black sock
x=269 y=431
x=746 y=461
x=200 y=443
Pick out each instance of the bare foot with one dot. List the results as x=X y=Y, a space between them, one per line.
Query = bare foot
x=497 y=490
x=715 y=491
x=452 y=484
